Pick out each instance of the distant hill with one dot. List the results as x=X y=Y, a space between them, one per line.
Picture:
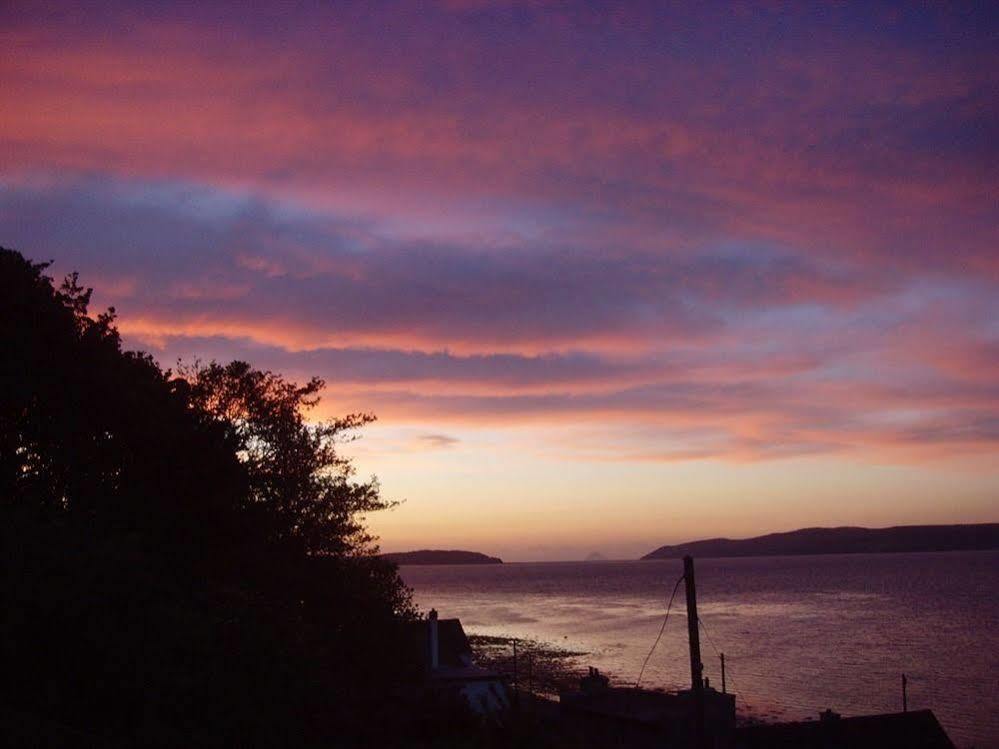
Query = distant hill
x=595 y=556
x=437 y=556
x=842 y=541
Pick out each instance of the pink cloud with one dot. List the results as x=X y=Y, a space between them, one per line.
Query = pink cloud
x=790 y=249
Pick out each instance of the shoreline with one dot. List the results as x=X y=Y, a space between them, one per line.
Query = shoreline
x=544 y=670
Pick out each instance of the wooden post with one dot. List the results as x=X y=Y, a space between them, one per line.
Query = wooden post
x=696 y=667
x=905 y=696
x=722 y=656
x=515 y=666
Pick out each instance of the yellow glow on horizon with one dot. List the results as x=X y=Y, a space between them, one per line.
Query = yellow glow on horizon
x=497 y=492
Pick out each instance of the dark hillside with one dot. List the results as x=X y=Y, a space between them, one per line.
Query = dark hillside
x=436 y=556
x=845 y=540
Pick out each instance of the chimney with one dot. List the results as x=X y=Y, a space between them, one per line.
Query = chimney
x=434 y=641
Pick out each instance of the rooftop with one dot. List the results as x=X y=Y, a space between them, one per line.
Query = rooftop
x=918 y=729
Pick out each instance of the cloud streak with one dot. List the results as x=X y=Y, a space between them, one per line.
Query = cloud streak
x=775 y=233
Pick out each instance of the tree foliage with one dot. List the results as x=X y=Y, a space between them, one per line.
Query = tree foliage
x=294 y=469
x=185 y=561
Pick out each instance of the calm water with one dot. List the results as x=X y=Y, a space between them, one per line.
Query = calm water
x=799 y=633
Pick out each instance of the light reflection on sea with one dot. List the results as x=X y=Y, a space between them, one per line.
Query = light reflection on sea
x=799 y=634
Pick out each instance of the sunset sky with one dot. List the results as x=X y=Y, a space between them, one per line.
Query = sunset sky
x=609 y=276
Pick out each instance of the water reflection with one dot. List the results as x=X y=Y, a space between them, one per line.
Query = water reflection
x=799 y=634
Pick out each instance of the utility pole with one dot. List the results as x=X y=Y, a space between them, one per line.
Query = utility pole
x=530 y=674
x=905 y=696
x=696 y=667
x=514 y=666
x=722 y=656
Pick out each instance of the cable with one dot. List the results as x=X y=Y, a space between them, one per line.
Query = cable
x=708 y=635
x=711 y=642
x=661 y=630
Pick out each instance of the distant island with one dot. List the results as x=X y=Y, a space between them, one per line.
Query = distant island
x=595 y=556
x=437 y=556
x=846 y=540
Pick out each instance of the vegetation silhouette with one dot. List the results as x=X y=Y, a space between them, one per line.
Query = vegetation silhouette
x=185 y=561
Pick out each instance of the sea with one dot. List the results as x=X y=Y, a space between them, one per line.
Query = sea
x=799 y=634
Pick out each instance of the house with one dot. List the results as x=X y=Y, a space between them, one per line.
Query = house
x=447 y=659
x=918 y=729
x=628 y=716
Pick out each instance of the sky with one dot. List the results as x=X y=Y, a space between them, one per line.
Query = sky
x=609 y=275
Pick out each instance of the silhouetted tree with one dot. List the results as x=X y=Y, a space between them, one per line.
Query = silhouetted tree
x=92 y=431
x=294 y=469
x=183 y=558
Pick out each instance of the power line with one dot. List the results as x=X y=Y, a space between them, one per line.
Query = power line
x=735 y=692
x=661 y=630
x=708 y=635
